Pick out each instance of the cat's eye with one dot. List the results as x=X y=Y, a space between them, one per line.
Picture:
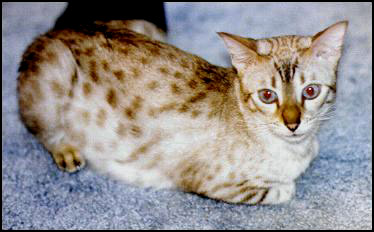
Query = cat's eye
x=267 y=96
x=311 y=91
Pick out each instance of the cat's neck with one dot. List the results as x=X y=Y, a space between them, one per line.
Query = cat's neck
x=231 y=115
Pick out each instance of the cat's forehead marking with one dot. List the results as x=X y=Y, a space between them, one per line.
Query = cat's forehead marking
x=273 y=81
x=286 y=70
x=284 y=51
x=283 y=47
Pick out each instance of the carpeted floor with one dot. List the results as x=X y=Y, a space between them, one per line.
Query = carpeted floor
x=334 y=193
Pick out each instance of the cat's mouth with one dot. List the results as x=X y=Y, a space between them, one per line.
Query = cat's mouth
x=289 y=136
x=295 y=137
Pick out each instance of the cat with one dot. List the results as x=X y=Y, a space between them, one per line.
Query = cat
x=152 y=115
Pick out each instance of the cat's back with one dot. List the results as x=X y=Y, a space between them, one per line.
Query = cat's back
x=129 y=68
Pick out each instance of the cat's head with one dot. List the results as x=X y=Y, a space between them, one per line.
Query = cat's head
x=287 y=84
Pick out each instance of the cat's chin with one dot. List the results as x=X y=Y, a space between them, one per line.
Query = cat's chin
x=295 y=138
x=292 y=137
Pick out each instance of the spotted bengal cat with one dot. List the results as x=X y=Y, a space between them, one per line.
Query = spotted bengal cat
x=151 y=114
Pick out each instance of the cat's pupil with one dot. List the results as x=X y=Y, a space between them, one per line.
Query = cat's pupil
x=310 y=91
x=267 y=94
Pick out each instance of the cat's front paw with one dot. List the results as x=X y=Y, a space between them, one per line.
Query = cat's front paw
x=68 y=159
x=279 y=194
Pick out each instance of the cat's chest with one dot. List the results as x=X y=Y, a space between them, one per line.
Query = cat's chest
x=272 y=161
x=286 y=161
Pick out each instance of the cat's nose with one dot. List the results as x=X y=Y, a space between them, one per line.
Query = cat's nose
x=292 y=126
x=291 y=117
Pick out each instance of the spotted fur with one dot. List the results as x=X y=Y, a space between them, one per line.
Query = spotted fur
x=153 y=115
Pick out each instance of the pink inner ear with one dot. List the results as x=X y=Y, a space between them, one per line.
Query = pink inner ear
x=240 y=49
x=329 y=41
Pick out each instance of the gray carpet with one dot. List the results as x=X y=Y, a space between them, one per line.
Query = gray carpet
x=334 y=193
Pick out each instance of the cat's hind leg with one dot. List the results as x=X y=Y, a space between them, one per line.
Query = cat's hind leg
x=48 y=77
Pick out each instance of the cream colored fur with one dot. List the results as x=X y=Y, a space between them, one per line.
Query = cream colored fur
x=150 y=114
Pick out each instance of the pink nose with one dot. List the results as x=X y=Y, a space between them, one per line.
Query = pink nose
x=291 y=117
x=293 y=126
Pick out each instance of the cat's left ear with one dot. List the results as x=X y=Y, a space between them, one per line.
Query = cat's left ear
x=242 y=50
x=329 y=42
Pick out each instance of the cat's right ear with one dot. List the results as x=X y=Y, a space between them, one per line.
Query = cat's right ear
x=242 y=50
